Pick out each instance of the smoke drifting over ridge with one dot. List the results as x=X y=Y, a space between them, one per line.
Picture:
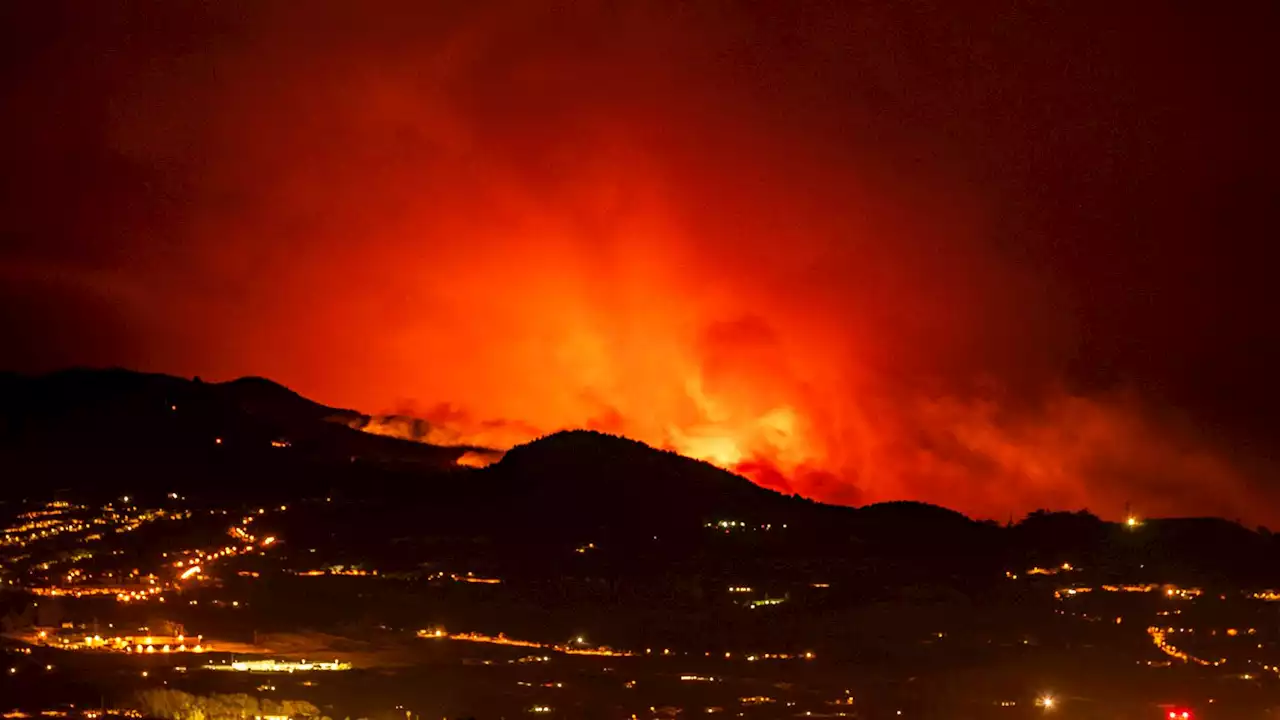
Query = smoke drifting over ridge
x=857 y=254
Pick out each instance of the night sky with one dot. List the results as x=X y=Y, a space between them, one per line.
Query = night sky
x=993 y=255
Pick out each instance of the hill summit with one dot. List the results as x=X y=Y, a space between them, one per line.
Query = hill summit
x=587 y=466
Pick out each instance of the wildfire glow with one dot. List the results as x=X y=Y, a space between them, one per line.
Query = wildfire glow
x=481 y=229
x=477 y=459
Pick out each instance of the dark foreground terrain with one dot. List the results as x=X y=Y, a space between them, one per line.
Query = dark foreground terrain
x=160 y=530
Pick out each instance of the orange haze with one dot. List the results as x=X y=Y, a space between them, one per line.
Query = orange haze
x=511 y=218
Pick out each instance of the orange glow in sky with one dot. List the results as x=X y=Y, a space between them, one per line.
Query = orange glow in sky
x=510 y=221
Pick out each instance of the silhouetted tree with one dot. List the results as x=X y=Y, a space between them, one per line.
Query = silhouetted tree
x=162 y=626
x=15 y=620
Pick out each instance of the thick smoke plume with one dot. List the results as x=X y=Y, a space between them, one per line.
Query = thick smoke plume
x=817 y=245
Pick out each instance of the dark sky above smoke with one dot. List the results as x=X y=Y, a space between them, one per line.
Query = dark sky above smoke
x=996 y=255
